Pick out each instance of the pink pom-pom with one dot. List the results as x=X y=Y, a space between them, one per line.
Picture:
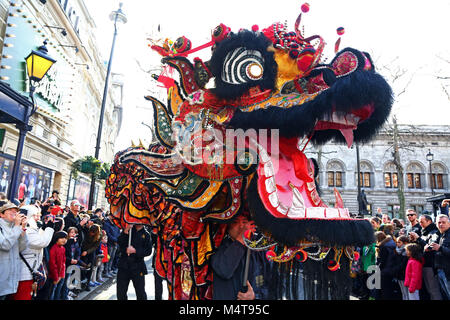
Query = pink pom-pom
x=255 y=28
x=305 y=7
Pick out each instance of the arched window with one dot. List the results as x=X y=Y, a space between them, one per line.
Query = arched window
x=439 y=176
x=415 y=175
x=335 y=174
x=390 y=175
x=366 y=174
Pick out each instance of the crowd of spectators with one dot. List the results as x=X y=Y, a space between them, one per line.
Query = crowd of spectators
x=412 y=259
x=50 y=252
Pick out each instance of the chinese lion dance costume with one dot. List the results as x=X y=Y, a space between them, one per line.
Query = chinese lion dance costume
x=273 y=86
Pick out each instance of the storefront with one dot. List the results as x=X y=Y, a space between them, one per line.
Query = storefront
x=79 y=189
x=35 y=180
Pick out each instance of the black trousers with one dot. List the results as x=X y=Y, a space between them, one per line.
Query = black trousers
x=158 y=286
x=123 y=280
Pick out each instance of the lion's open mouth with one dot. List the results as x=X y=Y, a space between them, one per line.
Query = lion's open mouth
x=288 y=190
x=345 y=123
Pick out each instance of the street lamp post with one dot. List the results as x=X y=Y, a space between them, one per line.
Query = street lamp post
x=116 y=16
x=430 y=158
x=360 y=209
x=38 y=63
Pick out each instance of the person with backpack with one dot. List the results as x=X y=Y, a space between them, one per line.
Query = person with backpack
x=429 y=234
x=32 y=256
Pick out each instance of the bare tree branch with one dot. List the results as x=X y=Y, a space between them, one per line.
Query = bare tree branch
x=444 y=88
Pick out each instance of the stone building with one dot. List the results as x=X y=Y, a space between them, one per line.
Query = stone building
x=69 y=98
x=379 y=176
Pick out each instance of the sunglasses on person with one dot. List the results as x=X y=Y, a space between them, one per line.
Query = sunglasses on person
x=411 y=214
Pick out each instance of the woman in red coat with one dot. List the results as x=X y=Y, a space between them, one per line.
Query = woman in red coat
x=413 y=273
x=57 y=265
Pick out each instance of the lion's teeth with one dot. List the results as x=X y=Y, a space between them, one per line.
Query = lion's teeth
x=273 y=198
x=270 y=185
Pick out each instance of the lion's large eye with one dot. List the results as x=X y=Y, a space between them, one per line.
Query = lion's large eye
x=242 y=65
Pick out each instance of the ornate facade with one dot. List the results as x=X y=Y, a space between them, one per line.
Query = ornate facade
x=69 y=98
x=379 y=175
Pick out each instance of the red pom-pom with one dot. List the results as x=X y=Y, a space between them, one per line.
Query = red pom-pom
x=255 y=27
x=305 y=7
x=270 y=254
x=248 y=234
x=356 y=255
x=340 y=31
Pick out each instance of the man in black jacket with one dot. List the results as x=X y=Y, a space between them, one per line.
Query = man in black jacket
x=429 y=234
x=414 y=224
x=228 y=265
x=73 y=220
x=442 y=257
x=131 y=262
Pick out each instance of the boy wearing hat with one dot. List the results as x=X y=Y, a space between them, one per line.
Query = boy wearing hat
x=13 y=240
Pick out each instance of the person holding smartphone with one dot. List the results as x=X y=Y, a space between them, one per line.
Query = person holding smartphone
x=429 y=234
x=32 y=257
x=13 y=240
x=442 y=258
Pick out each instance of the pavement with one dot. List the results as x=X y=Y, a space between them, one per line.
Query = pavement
x=107 y=290
x=89 y=295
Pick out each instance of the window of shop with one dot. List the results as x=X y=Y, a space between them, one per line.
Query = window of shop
x=35 y=181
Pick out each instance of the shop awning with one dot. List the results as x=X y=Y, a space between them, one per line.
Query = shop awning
x=13 y=106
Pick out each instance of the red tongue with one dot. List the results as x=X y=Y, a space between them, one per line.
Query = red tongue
x=288 y=147
x=348 y=135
